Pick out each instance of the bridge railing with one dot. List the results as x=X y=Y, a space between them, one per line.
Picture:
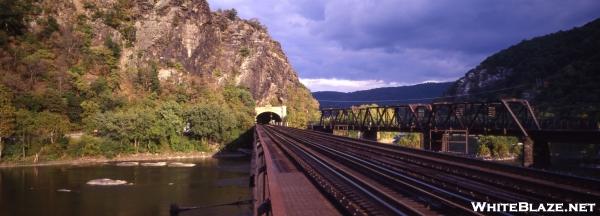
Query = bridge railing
x=259 y=180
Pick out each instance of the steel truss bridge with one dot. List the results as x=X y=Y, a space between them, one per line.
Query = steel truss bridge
x=514 y=117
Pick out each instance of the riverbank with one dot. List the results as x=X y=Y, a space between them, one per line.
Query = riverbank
x=120 y=158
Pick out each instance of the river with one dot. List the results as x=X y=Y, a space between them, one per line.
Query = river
x=62 y=190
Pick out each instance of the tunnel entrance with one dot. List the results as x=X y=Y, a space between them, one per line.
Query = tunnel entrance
x=268 y=117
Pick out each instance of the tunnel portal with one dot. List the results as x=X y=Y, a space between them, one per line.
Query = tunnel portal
x=267 y=118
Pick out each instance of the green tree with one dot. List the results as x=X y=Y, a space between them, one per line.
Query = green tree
x=74 y=109
x=302 y=107
x=498 y=146
x=14 y=13
x=154 y=81
x=90 y=108
x=209 y=121
x=51 y=27
x=53 y=101
x=38 y=63
x=35 y=130
x=7 y=116
x=169 y=120
x=25 y=128
x=113 y=46
x=51 y=126
x=231 y=13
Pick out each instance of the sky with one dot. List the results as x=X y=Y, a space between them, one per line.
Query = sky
x=349 y=45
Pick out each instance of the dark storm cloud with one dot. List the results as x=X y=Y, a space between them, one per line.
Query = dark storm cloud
x=395 y=42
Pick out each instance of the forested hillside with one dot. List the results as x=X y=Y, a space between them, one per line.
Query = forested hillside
x=84 y=78
x=421 y=93
x=559 y=73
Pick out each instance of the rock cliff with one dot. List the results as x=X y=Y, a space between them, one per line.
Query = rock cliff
x=189 y=41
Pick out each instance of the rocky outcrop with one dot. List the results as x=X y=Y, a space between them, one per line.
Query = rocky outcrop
x=216 y=47
x=480 y=78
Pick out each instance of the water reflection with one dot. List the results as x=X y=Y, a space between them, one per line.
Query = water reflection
x=35 y=190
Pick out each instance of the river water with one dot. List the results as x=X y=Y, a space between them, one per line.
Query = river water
x=37 y=190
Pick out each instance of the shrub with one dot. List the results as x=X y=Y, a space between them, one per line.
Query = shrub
x=85 y=146
x=412 y=140
x=499 y=146
x=244 y=52
x=181 y=144
x=483 y=150
x=96 y=146
x=231 y=14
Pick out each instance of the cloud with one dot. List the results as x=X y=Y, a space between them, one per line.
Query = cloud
x=404 y=41
x=344 y=85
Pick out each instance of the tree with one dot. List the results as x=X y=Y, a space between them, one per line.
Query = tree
x=37 y=129
x=497 y=146
x=154 y=81
x=113 y=46
x=51 y=126
x=169 y=120
x=37 y=64
x=231 y=14
x=13 y=20
x=209 y=121
x=74 y=109
x=54 y=102
x=89 y=108
x=25 y=127
x=7 y=115
x=51 y=27
x=302 y=107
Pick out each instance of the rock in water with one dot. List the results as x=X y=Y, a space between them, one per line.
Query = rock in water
x=128 y=163
x=155 y=164
x=178 y=164
x=106 y=182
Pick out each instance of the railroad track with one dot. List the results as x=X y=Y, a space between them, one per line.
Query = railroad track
x=368 y=178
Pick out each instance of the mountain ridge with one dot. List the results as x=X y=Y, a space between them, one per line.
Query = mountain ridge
x=557 y=72
x=419 y=93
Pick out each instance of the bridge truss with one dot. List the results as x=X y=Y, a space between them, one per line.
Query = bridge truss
x=514 y=117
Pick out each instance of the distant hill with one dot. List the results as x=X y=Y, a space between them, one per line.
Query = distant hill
x=559 y=73
x=421 y=93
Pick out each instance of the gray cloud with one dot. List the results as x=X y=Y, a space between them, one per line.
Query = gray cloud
x=404 y=41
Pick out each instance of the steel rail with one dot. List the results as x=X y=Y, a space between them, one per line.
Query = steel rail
x=518 y=174
x=569 y=180
x=441 y=179
x=381 y=197
x=385 y=172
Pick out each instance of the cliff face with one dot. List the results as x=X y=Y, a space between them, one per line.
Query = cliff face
x=189 y=41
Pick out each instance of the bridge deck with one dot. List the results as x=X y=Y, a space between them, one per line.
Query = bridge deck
x=290 y=191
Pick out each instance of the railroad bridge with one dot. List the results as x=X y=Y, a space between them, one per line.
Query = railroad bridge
x=312 y=172
x=438 y=121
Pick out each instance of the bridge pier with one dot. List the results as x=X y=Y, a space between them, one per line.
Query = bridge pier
x=370 y=134
x=536 y=152
x=432 y=140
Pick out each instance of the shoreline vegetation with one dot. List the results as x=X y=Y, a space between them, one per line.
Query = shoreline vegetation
x=90 y=160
